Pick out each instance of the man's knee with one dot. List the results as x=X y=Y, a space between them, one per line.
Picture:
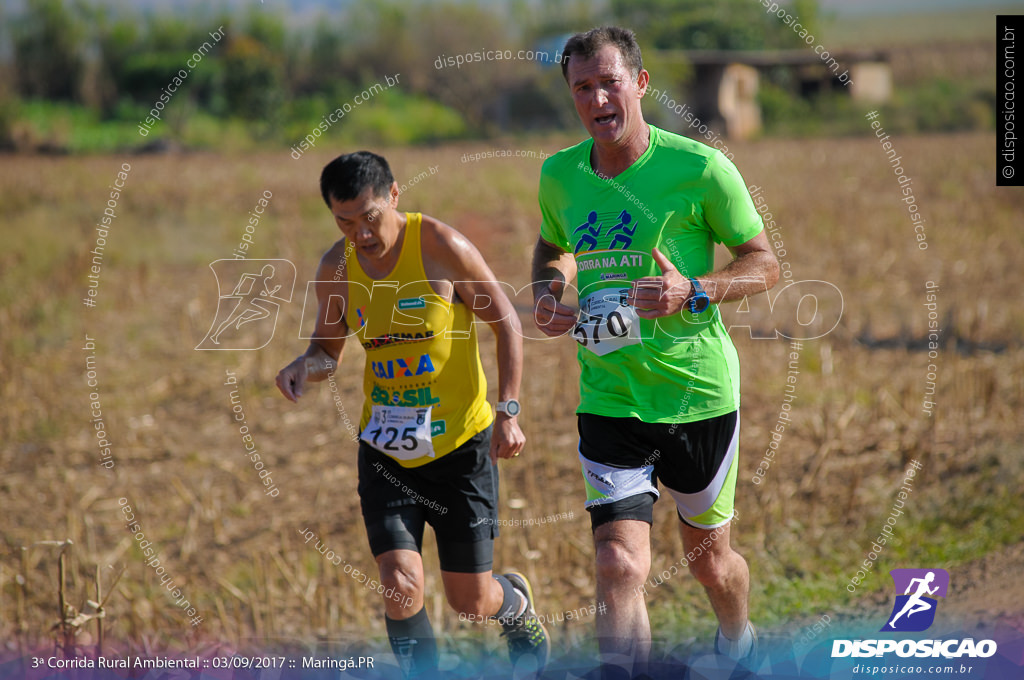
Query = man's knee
x=403 y=574
x=714 y=568
x=617 y=563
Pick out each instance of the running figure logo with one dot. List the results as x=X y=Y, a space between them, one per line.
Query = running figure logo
x=260 y=286
x=914 y=610
x=590 y=231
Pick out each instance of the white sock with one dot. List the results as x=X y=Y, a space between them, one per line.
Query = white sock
x=736 y=649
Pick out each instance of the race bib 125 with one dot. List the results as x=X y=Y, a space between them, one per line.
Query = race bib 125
x=402 y=432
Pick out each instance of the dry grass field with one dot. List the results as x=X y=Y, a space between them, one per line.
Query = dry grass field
x=238 y=554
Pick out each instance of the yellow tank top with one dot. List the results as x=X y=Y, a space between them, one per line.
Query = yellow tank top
x=425 y=389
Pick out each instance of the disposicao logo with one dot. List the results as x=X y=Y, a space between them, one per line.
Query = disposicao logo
x=914 y=611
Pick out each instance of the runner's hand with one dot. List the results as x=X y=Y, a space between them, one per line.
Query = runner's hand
x=507 y=439
x=551 y=316
x=655 y=296
x=291 y=380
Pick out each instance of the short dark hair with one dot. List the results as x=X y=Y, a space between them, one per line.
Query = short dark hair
x=348 y=175
x=586 y=45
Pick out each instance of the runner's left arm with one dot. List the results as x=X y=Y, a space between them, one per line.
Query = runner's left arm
x=754 y=269
x=476 y=286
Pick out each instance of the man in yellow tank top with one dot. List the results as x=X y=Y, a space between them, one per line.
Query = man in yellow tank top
x=410 y=289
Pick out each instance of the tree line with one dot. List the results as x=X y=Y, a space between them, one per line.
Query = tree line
x=272 y=70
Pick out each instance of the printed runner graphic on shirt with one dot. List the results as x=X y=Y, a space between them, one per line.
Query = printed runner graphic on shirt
x=618 y=236
x=603 y=257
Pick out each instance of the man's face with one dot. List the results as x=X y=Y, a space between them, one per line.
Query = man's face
x=607 y=96
x=369 y=221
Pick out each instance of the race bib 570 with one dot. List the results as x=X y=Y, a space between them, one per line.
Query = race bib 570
x=607 y=323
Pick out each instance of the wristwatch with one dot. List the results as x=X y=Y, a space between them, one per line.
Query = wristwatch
x=699 y=301
x=511 y=407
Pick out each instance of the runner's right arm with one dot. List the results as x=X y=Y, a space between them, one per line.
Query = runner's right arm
x=324 y=351
x=553 y=268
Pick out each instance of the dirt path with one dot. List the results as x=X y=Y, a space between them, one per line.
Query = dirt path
x=989 y=590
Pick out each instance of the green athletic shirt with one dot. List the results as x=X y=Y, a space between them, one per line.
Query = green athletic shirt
x=682 y=197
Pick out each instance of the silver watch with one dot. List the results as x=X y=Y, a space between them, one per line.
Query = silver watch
x=511 y=407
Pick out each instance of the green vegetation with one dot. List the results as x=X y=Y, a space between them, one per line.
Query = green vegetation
x=83 y=78
x=939 y=105
x=868 y=31
x=719 y=25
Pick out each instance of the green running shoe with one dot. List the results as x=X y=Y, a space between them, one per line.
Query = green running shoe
x=528 y=644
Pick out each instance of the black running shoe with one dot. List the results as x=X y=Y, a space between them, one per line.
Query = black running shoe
x=528 y=644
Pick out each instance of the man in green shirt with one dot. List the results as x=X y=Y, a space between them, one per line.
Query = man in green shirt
x=633 y=214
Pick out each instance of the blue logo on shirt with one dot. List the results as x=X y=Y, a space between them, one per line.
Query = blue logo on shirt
x=589 y=233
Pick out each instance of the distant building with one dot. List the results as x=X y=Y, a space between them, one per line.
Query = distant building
x=725 y=82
